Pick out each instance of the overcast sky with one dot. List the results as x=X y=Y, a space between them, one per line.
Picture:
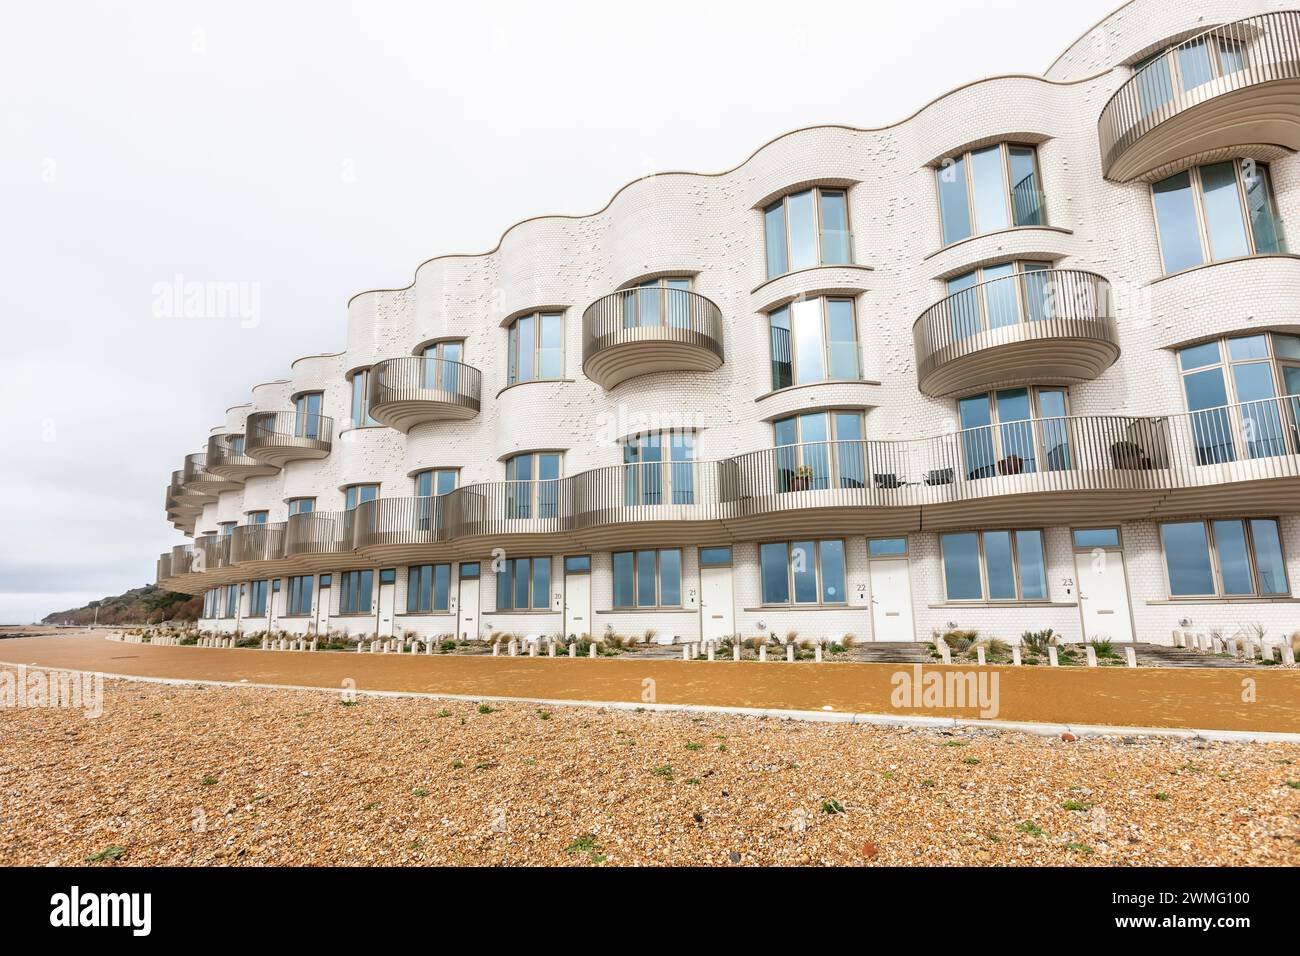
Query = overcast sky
x=313 y=150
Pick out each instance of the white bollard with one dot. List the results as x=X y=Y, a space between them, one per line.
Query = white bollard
x=532 y=648
x=374 y=647
x=1251 y=650
x=314 y=645
x=979 y=656
x=1178 y=638
x=592 y=653
x=361 y=646
x=1051 y=656
x=789 y=653
x=762 y=652
x=573 y=649
x=1092 y=655
x=817 y=652
x=1288 y=655
x=496 y=649
x=1015 y=655
x=711 y=657
x=686 y=652
x=551 y=650
x=735 y=652
x=512 y=649
x=945 y=652
x=1131 y=655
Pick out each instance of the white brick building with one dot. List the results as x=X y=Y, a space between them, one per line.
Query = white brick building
x=1024 y=359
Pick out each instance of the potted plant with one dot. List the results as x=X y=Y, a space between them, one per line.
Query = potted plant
x=802 y=478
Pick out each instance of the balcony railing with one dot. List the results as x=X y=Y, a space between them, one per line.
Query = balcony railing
x=637 y=331
x=1206 y=69
x=1046 y=323
x=1251 y=441
x=279 y=437
x=201 y=484
x=407 y=391
x=227 y=459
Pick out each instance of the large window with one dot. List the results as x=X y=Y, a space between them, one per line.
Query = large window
x=300 y=595
x=1183 y=69
x=434 y=481
x=996 y=296
x=1227 y=557
x=659 y=469
x=301 y=506
x=428 y=587
x=988 y=189
x=536 y=347
x=814 y=340
x=354 y=495
x=648 y=578
x=1243 y=394
x=662 y=301
x=360 y=408
x=807 y=228
x=210 y=603
x=256 y=518
x=442 y=367
x=820 y=450
x=355 y=589
x=534 y=486
x=306 y=419
x=228 y=527
x=803 y=572
x=257 y=598
x=1220 y=211
x=994 y=566
x=1014 y=431
x=524 y=584
x=232 y=600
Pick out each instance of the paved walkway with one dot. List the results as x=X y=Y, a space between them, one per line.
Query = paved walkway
x=1146 y=697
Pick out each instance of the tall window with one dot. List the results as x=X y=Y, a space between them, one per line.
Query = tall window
x=232 y=600
x=523 y=584
x=536 y=347
x=257 y=517
x=1220 y=211
x=434 y=481
x=360 y=407
x=662 y=301
x=814 y=340
x=534 y=487
x=355 y=589
x=803 y=572
x=659 y=469
x=648 y=578
x=807 y=228
x=354 y=495
x=1014 y=431
x=428 y=587
x=301 y=506
x=1183 y=69
x=988 y=189
x=210 y=603
x=996 y=296
x=1228 y=557
x=306 y=419
x=257 y=598
x=820 y=450
x=994 y=566
x=300 y=595
x=442 y=366
x=1243 y=394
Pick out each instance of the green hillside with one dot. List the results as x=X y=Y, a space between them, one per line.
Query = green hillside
x=146 y=605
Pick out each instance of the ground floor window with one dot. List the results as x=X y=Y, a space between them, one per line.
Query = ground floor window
x=354 y=591
x=648 y=578
x=427 y=588
x=257 y=599
x=994 y=566
x=803 y=572
x=524 y=583
x=300 y=595
x=1226 y=557
x=211 y=601
x=232 y=600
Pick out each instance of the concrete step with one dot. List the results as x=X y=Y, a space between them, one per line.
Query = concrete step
x=1163 y=655
x=901 y=652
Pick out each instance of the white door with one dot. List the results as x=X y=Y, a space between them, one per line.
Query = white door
x=467 y=608
x=891 y=600
x=387 y=602
x=717 y=606
x=1103 y=596
x=322 y=605
x=577 y=604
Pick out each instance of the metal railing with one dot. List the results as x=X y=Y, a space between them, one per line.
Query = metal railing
x=1250 y=441
x=1028 y=203
x=265 y=430
x=658 y=314
x=1232 y=56
x=423 y=379
x=227 y=458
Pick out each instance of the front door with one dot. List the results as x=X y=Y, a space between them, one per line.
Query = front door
x=1103 y=595
x=891 y=600
x=387 y=600
x=717 y=605
x=577 y=596
x=467 y=623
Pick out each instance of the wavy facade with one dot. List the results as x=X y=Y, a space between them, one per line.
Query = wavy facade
x=1029 y=358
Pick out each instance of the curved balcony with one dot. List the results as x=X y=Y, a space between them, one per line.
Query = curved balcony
x=1052 y=325
x=1060 y=470
x=638 y=331
x=252 y=543
x=201 y=484
x=277 y=438
x=1237 y=84
x=410 y=390
x=226 y=459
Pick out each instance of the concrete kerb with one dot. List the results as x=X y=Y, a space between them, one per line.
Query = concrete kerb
x=811 y=716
